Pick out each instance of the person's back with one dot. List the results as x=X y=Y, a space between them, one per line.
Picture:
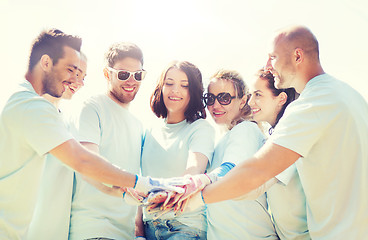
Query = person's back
x=333 y=168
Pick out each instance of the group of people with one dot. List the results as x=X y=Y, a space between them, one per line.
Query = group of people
x=285 y=159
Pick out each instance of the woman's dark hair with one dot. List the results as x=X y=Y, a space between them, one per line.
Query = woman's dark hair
x=51 y=42
x=290 y=92
x=241 y=89
x=195 y=108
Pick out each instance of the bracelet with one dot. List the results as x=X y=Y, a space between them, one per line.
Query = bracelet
x=140 y=238
x=136 y=180
x=202 y=197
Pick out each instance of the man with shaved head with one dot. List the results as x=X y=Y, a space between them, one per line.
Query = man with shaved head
x=325 y=132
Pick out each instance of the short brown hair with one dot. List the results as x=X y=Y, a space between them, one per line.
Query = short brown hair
x=51 y=42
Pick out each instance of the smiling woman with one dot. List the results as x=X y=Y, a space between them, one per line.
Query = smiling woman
x=181 y=144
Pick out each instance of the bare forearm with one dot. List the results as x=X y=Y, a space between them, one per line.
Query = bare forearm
x=269 y=161
x=237 y=182
x=92 y=165
x=97 y=168
x=139 y=225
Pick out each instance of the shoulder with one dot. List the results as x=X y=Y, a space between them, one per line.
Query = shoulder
x=246 y=127
x=201 y=124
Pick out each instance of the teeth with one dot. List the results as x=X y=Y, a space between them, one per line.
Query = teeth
x=174 y=98
x=218 y=113
x=128 y=89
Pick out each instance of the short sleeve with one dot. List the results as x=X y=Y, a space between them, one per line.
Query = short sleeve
x=86 y=125
x=202 y=138
x=43 y=126
x=302 y=125
x=243 y=141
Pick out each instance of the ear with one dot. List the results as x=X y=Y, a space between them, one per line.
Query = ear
x=298 y=55
x=46 y=63
x=106 y=74
x=243 y=101
x=282 y=98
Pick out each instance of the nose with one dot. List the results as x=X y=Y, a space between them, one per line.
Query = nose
x=216 y=104
x=175 y=88
x=268 y=67
x=251 y=100
x=131 y=79
x=80 y=80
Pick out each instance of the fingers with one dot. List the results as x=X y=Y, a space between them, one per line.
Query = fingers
x=173 y=200
x=169 y=196
x=157 y=197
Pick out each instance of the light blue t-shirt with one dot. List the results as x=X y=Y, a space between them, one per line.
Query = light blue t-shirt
x=286 y=200
x=241 y=219
x=165 y=154
x=53 y=206
x=30 y=126
x=119 y=136
x=328 y=126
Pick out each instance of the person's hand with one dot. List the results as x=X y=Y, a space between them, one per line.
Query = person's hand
x=196 y=184
x=134 y=197
x=190 y=204
x=148 y=184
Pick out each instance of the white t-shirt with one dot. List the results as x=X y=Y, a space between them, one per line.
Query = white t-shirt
x=119 y=136
x=53 y=206
x=286 y=200
x=165 y=154
x=243 y=219
x=327 y=125
x=30 y=126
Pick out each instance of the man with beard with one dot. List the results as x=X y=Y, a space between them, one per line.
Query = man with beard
x=31 y=127
x=105 y=126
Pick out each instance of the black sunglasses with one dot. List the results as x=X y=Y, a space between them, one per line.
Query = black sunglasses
x=124 y=75
x=223 y=98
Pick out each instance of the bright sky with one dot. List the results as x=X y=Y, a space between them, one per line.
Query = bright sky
x=211 y=34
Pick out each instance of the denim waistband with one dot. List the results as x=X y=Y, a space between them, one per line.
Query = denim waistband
x=167 y=222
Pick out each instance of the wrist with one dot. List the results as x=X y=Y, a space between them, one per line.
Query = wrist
x=202 y=197
x=136 y=180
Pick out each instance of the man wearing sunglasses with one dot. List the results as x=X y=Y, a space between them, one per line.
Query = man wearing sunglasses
x=105 y=126
x=31 y=127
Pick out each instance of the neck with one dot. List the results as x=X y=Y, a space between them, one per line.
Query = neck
x=55 y=101
x=309 y=74
x=36 y=81
x=112 y=96
x=174 y=118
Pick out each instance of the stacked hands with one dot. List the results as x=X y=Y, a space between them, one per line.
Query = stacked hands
x=161 y=196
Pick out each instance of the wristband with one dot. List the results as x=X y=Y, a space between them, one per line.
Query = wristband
x=136 y=180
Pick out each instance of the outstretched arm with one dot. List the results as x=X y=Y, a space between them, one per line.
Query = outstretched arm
x=90 y=164
x=269 y=161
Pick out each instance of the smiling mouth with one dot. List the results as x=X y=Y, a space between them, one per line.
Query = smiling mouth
x=218 y=114
x=175 y=98
x=256 y=110
x=129 y=89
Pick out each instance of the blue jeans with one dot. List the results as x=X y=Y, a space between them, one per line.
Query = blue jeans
x=171 y=230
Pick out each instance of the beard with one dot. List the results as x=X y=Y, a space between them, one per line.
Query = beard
x=123 y=98
x=50 y=85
